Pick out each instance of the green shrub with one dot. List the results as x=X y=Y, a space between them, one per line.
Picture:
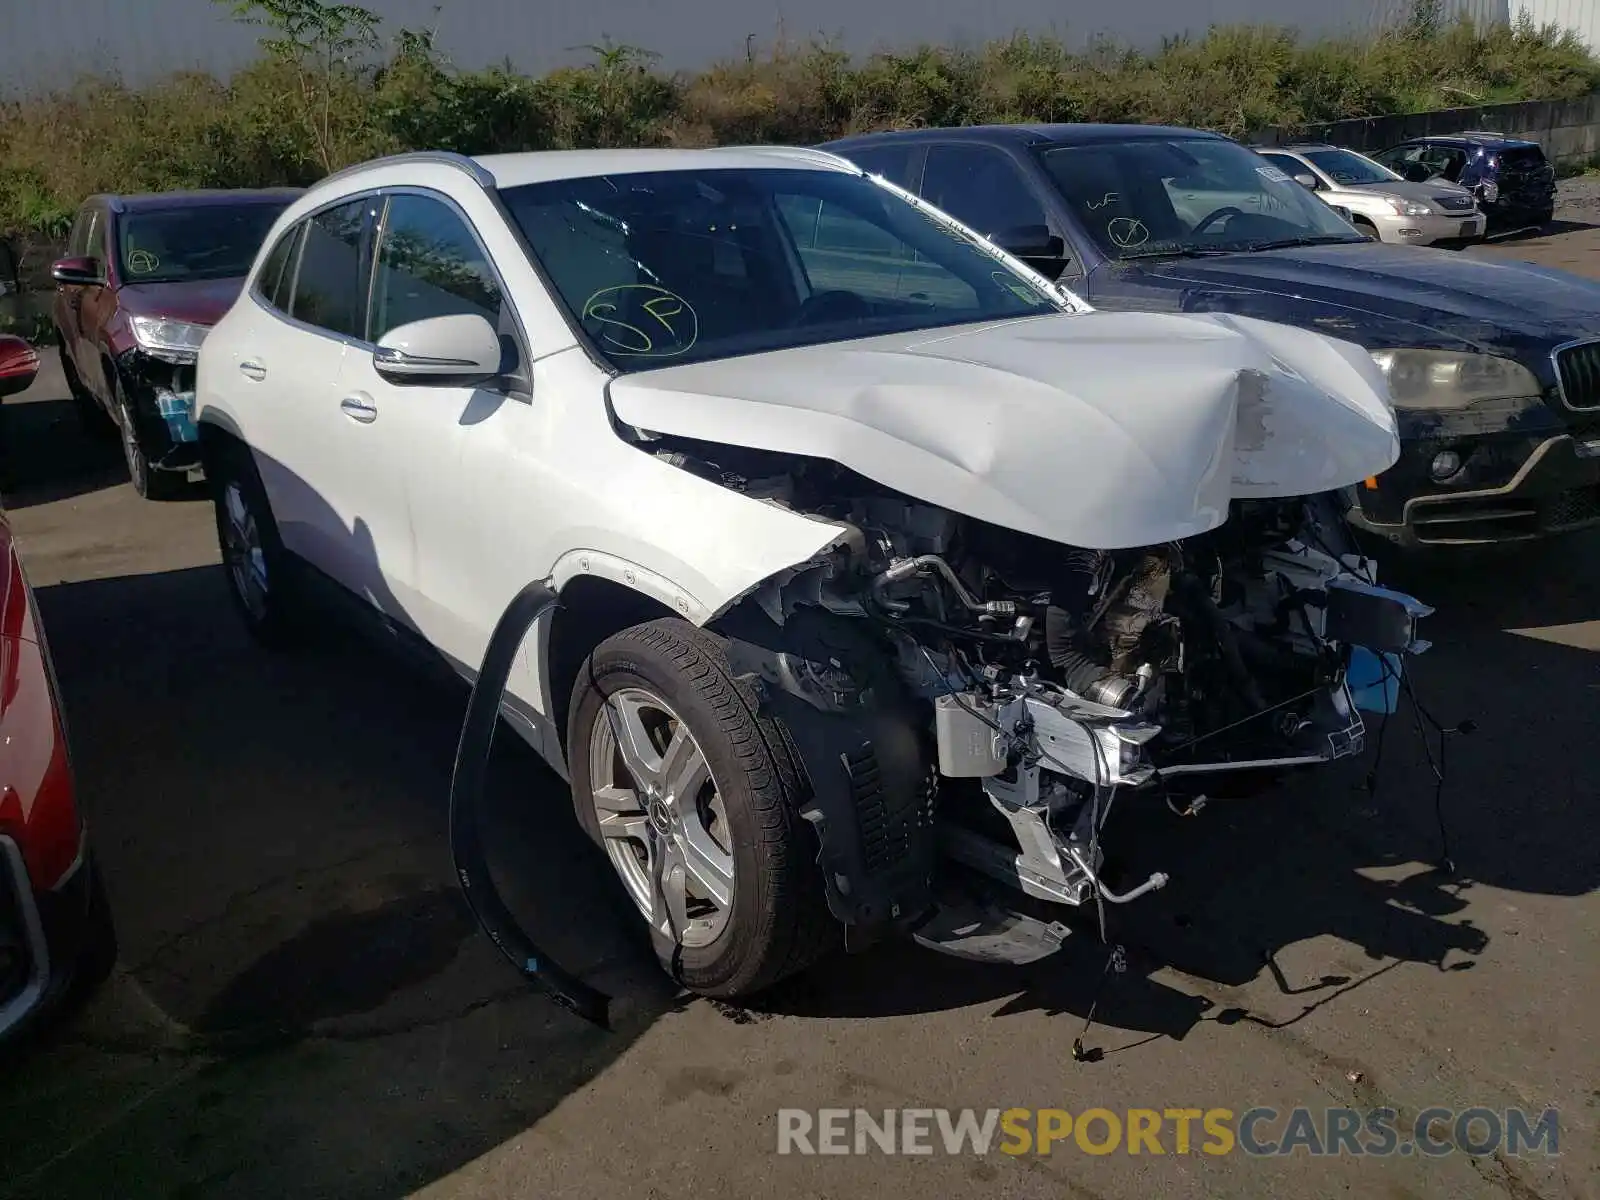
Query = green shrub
x=328 y=91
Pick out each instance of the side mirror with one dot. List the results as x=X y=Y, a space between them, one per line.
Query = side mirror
x=19 y=365
x=1036 y=246
x=1417 y=172
x=75 y=272
x=460 y=350
x=1307 y=180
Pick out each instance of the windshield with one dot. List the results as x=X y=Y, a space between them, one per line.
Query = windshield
x=196 y=241
x=1164 y=196
x=669 y=267
x=1349 y=168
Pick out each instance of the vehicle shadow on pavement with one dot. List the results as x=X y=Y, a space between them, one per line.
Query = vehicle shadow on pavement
x=44 y=455
x=304 y=1006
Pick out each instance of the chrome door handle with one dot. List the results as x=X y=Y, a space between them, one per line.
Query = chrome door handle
x=359 y=407
x=251 y=369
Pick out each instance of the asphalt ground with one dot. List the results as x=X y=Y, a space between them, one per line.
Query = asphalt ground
x=303 y=1007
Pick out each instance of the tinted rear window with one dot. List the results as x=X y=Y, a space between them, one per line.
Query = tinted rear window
x=1522 y=158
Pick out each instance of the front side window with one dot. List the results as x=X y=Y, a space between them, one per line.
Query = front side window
x=1287 y=163
x=86 y=240
x=667 y=267
x=193 y=242
x=1350 y=169
x=1153 y=197
x=892 y=162
x=429 y=265
x=981 y=188
x=328 y=289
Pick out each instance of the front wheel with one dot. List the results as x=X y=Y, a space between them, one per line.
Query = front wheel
x=148 y=482
x=694 y=794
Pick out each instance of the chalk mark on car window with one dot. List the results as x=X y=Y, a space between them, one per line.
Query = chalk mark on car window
x=662 y=324
x=142 y=262
x=1108 y=198
x=1127 y=232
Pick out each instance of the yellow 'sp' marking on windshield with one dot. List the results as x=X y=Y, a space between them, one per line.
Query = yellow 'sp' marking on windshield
x=659 y=324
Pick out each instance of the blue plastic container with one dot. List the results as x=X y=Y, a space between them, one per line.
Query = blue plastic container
x=1374 y=680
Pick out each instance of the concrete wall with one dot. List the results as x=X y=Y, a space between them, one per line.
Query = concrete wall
x=1569 y=130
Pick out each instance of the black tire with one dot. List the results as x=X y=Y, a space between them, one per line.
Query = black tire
x=1367 y=227
x=92 y=419
x=777 y=922
x=148 y=482
x=98 y=955
x=273 y=616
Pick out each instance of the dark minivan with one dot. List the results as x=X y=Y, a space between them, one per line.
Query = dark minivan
x=1494 y=366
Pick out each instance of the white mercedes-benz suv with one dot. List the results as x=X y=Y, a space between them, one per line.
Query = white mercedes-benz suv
x=882 y=561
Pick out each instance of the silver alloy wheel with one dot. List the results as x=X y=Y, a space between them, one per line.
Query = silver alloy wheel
x=242 y=550
x=662 y=817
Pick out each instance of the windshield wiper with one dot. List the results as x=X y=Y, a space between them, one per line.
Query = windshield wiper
x=1177 y=252
x=1321 y=239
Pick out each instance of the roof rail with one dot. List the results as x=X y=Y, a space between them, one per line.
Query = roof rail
x=804 y=153
x=444 y=158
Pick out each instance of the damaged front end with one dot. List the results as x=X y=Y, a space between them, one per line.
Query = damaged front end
x=965 y=693
x=157 y=374
x=1046 y=596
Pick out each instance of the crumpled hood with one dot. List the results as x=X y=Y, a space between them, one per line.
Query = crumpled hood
x=1102 y=430
x=1409 y=295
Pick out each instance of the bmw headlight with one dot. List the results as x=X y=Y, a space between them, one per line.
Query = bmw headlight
x=169 y=340
x=1445 y=379
x=1408 y=208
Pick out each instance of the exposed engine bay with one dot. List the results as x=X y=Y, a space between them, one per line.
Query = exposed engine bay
x=1050 y=677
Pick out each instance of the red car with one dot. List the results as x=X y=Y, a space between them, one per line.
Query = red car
x=144 y=279
x=19 y=363
x=56 y=936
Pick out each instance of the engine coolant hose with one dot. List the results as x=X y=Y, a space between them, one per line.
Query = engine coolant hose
x=466 y=813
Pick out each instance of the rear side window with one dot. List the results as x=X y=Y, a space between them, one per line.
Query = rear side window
x=328 y=289
x=278 y=272
x=429 y=265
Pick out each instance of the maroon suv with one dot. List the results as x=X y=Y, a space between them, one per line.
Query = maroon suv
x=144 y=278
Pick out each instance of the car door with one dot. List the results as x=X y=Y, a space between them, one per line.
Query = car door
x=69 y=296
x=97 y=305
x=337 y=498
x=428 y=262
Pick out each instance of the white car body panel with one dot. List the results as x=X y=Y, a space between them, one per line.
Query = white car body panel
x=1101 y=430
x=1090 y=429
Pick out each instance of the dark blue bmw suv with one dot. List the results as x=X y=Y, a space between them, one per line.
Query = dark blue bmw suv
x=1513 y=181
x=1494 y=366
